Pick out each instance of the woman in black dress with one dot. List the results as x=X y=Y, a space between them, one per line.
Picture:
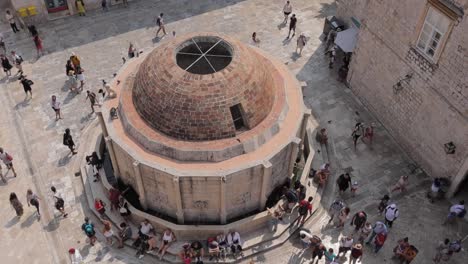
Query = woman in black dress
x=6 y=65
x=68 y=141
x=343 y=182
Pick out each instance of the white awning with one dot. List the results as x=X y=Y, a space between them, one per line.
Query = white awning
x=347 y=39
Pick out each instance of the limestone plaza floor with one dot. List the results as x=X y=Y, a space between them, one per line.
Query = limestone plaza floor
x=30 y=133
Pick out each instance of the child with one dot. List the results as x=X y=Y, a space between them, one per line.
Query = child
x=354 y=188
x=383 y=203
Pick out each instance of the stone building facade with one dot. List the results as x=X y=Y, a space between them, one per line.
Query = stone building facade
x=410 y=68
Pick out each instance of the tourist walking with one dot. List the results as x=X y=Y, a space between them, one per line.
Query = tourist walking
x=359 y=220
x=92 y=99
x=6 y=65
x=38 y=43
x=100 y=207
x=378 y=228
x=27 y=85
x=391 y=214
x=80 y=7
x=322 y=136
x=56 y=107
x=383 y=203
x=335 y=209
x=369 y=133
x=329 y=256
x=456 y=210
x=2 y=44
x=125 y=233
x=442 y=251
x=104 y=5
x=287 y=9
x=88 y=229
x=343 y=216
x=75 y=60
x=33 y=199
x=379 y=241
x=292 y=26
x=17 y=60
x=305 y=207
x=8 y=161
x=107 y=232
x=365 y=231
x=343 y=182
x=346 y=243
x=11 y=19
x=16 y=204
x=301 y=42
x=356 y=253
x=160 y=24
x=318 y=251
x=68 y=141
x=58 y=201
x=357 y=132
x=255 y=39
x=80 y=77
x=401 y=184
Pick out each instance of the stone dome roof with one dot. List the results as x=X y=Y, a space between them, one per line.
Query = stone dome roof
x=203 y=87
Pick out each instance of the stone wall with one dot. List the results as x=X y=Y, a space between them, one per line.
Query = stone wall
x=427 y=110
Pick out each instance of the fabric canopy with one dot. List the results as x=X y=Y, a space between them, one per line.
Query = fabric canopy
x=347 y=39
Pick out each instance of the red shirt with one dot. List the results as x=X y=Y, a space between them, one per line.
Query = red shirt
x=305 y=203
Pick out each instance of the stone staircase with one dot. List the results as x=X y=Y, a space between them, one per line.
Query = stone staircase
x=254 y=243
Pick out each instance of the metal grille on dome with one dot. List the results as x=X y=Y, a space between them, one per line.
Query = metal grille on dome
x=204 y=55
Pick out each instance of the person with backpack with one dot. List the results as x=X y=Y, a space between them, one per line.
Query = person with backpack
x=8 y=161
x=92 y=99
x=454 y=247
x=160 y=23
x=456 y=210
x=59 y=202
x=17 y=60
x=33 y=199
x=391 y=214
x=379 y=228
x=27 y=85
x=379 y=241
x=335 y=209
x=88 y=229
x=359 y=220
x=305 y=206
x=68 y=141
x=383 y=203
x=6 y=65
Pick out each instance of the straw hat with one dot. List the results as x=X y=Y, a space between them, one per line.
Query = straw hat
x=358 y=246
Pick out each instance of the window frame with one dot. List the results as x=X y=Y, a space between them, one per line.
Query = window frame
x=443 y=41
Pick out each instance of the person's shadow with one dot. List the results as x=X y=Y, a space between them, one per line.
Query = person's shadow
x=12 y=222
x=286 y=41
x=29 y=221
x=282 y=25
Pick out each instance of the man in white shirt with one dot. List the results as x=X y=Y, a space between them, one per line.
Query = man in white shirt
x=391 y=214
x=235 y=242
x=305 y=238
x=287 y=10
x=11 y=19
x=456 y=210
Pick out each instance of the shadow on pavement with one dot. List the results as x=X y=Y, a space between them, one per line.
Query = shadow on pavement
x=30 y=220
x=12 y=222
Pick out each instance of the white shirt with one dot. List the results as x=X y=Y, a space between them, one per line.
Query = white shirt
x=391 y=212
x=231 y=238
x=458 y=208
x=435 y=188
x=307 y=237
x=287 y=8
x=346 y=243
x=3 y=157
x=10 y=18
x=146 y=228
x=55 y=104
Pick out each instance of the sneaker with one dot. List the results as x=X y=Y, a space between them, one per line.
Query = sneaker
x=141 y=256
x=65 y=215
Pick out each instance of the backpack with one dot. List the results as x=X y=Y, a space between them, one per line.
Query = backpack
x=303 y=207
x=158 y=21
x=89 y=229
x=29 y=82
x=59 y=203
x=337 y=205
x=455 y=246
x=8 y=157
x=380 y=239
x=18 y=59
x=462 y=213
